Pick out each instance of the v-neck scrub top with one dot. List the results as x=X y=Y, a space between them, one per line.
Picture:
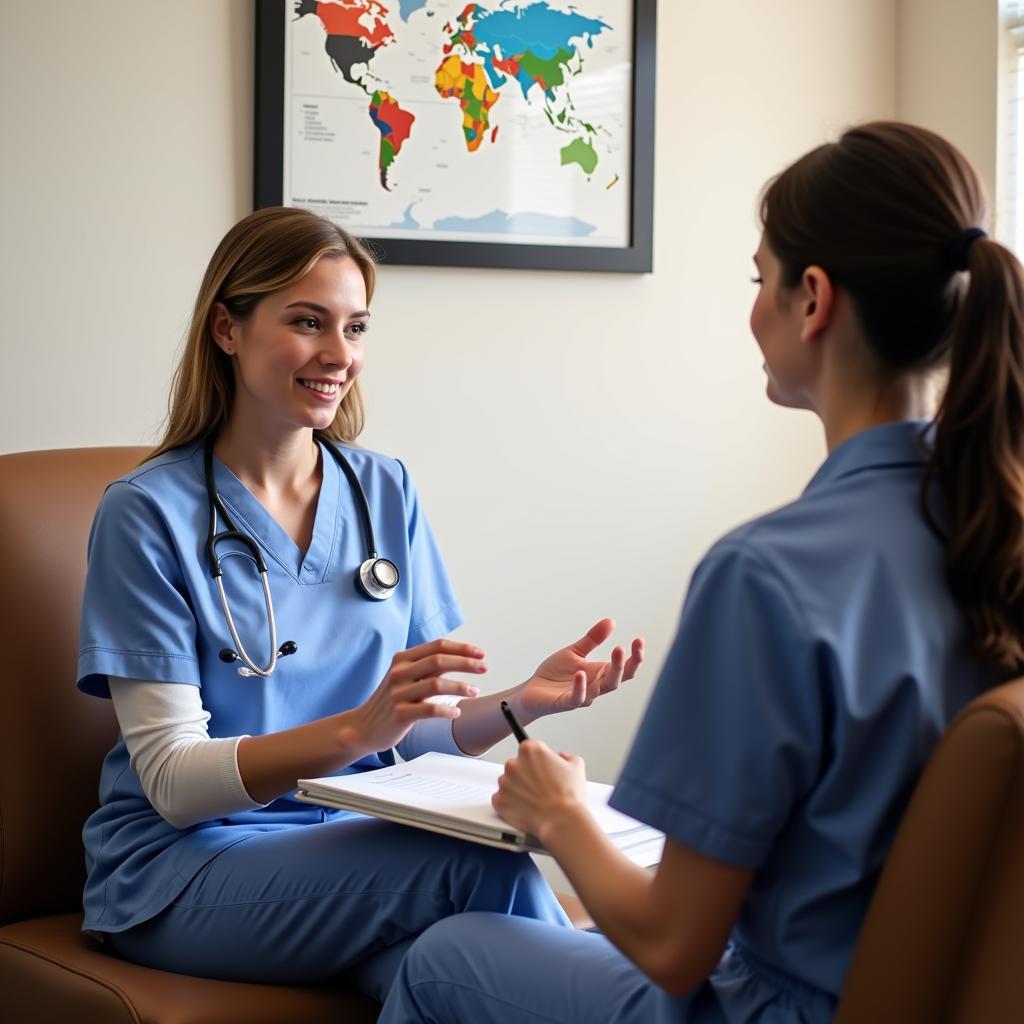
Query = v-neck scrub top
x=819 y=658
x=151 y=611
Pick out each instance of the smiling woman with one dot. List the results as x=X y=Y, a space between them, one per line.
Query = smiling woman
x=300 y=351
x=269 y=251
x=200 y=859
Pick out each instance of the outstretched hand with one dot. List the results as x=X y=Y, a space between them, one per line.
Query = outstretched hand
x=567 y=680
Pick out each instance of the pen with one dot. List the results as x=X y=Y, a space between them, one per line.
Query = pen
x=517 y=730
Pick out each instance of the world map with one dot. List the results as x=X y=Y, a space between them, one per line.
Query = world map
x=532 y=58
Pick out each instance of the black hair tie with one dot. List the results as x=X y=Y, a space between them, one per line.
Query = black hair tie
x=955 y=257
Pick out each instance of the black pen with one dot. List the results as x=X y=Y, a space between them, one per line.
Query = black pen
x=517 y=730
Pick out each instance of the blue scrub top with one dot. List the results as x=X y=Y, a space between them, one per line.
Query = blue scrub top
x=151 y=612
x=819 y=657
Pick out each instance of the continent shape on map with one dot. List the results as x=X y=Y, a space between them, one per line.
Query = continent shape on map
x=537 y=47
x=356 y=30
x=394 y=125
x=468 y=83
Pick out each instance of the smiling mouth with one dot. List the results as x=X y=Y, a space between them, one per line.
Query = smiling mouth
x=321 y=387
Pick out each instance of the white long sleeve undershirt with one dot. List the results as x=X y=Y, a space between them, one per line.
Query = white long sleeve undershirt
x=189 y=777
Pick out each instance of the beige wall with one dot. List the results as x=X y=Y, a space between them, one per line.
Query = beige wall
x=579 y=439
x=126 y=153
x=946 y=74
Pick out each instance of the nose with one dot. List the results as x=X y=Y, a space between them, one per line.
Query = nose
x=336 y=351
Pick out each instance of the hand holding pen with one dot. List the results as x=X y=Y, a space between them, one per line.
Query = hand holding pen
x=539 y=787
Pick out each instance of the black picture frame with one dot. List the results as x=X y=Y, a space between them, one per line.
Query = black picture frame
x=636 y=257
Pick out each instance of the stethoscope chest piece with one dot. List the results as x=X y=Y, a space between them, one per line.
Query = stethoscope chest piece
x=378 y=578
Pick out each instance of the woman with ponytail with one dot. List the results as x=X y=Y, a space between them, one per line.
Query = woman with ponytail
x=823 y=648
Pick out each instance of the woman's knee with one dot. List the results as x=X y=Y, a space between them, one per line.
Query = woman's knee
x=451 y=943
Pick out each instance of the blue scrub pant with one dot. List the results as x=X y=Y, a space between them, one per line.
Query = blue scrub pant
x=483 y=969
x=308 y=902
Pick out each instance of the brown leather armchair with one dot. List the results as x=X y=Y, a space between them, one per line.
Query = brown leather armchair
x=944 y=937
x=52 y=742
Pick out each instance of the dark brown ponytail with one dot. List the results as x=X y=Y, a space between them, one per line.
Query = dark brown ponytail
x=884 y=212
x=979 y=455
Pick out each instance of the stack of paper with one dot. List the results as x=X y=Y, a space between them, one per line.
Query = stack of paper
x=452 y=795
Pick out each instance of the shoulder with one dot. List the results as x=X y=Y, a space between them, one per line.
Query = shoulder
x=744 y=576
x=836 y=551
x=780 y=558
x=166 y=470
x=376 y=470
x=769 y=543
x=146 y=493
x=366 y=458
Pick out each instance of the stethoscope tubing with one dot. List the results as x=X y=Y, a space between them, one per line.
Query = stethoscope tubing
x=243 y=655
x=369 y=582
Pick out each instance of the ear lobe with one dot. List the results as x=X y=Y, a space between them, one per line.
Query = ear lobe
x=820 y=303
x=221 y=328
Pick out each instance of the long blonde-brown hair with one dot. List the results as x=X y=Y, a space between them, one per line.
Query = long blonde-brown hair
x=265 y=251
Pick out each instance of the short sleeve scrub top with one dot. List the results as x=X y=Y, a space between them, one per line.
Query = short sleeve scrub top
x=151 y=612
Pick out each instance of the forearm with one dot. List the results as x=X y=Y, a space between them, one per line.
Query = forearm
x=270 y=765
x=617 y=893
x=673 y=924
x=481 y=724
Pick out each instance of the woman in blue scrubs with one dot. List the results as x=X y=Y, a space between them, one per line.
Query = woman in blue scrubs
x=199 y=858
x=823 y=648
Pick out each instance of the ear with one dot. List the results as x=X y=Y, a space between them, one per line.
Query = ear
x=223 y=329
x=817 y=299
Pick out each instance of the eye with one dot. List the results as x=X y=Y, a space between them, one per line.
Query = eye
x=358 y=328
x=757 y=280
x=309 y=322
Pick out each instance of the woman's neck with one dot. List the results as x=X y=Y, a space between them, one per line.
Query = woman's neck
x=847 y=407
x=265 y=461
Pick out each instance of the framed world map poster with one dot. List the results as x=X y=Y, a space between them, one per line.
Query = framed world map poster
x=509 y=133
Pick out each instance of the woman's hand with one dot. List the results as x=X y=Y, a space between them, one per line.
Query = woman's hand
x=540 y=789
x=402 y=697
x=566 y=680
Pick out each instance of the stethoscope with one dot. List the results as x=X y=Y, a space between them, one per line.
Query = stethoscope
x=376 y=579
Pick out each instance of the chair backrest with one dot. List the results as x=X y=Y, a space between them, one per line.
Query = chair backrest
x=944 y=936
x=52 y=738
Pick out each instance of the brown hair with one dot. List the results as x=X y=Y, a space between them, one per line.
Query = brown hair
x=265 y=251
x=883 y=211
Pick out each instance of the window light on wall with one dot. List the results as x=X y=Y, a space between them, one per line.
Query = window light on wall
x=1010 y=199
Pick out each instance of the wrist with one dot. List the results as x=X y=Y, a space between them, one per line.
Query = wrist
x=349 y=742
x=565 y=826
x=518 y=705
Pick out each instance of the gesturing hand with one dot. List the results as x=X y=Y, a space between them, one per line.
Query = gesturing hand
x=401 y=698
x=566 y=680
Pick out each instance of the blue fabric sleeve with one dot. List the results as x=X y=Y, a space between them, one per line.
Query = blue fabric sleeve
x=732 y=738
x=435 y=610
x=137 y=621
